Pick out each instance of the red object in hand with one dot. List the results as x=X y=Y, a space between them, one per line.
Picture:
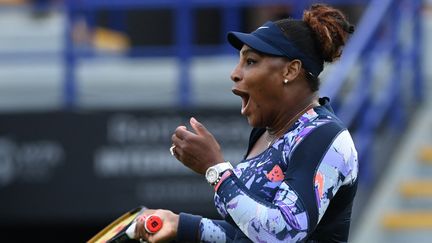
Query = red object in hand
x=152 y=223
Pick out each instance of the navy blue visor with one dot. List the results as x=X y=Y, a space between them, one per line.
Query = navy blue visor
x=269 y=39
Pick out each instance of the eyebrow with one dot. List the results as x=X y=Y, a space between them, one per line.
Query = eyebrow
x=249 y=50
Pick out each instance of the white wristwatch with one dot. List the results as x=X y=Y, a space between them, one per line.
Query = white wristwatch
x=214 y=173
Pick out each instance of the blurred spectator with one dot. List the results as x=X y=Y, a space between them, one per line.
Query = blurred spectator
x=256 y=16
x=12 y=2
x=41 y=7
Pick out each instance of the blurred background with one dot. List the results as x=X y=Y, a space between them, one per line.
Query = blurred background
x=91 y=90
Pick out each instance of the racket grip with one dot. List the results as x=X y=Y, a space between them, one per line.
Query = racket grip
x=152 y=224
x=130 y=232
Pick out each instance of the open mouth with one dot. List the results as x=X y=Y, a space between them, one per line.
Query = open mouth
x=245 y=99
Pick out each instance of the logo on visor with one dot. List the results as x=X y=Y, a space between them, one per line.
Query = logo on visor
x=263 y=27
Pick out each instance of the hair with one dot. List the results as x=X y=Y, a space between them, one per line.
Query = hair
x=321 y=35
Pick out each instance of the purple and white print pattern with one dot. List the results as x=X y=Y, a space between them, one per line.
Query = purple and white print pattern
x=262 y=203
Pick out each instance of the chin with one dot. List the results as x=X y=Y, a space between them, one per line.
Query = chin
x=253 y=122
x=250 y=122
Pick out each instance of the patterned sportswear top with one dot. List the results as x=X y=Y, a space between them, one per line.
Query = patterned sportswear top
x=300 y=189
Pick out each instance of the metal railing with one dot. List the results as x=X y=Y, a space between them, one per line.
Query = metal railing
x=374 y=85
x=184 y=48
x=386 y=49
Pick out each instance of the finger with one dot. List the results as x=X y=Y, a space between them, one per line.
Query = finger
x=139 y=229
x=156 y=237
x=198 y=127
x=148 y=212
x=152 y=238
x=178 y=153
x=177 y=141
x=177 y=149
x=182 y=132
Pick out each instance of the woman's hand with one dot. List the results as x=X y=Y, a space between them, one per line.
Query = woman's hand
x=167 y=233
x=198 y=150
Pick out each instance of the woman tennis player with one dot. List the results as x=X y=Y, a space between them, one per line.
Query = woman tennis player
x=298 y=179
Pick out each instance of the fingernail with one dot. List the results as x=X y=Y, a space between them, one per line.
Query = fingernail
x=193 y=120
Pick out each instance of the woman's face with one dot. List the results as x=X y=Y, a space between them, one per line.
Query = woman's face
x=258 y=80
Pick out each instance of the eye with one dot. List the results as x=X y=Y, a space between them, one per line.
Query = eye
x=250 y=61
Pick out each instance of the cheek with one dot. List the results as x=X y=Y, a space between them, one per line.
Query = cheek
x=260 y=108
x=262 y=96
x=263 y=89
x=265 y=102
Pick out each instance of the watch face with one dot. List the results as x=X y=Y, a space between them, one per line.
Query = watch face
x=212 y=175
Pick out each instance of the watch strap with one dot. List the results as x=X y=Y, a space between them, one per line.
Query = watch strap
x=225 y=175
x=220 y=168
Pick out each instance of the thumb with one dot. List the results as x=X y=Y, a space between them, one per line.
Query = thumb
x=198 y=127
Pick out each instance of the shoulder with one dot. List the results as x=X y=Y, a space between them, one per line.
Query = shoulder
x=342 y=157
x=314 y=120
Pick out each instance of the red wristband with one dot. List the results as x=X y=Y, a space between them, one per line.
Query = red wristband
x=225 y=175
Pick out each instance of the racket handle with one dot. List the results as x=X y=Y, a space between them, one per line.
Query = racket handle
x=130 y=232
x=152 y=224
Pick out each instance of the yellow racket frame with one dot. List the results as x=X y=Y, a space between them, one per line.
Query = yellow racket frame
x=116 y=226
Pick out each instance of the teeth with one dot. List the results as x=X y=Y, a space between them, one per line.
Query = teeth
x=243 y=105
x=245 y=98
x=245 y=101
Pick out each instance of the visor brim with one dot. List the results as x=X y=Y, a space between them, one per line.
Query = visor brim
x=238 y=39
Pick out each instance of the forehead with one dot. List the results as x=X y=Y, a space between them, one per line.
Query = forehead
x=247 y=50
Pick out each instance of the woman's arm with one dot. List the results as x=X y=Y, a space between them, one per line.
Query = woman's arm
x=296 y=208
x=186 y=228
x=301 y=199
x=193 y=228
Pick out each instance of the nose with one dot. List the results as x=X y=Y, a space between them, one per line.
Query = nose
x=236 y=74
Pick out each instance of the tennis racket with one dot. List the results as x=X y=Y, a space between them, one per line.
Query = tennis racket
x=123 y=228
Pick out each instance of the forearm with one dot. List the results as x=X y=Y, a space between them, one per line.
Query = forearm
x=194 y=228
x=188 y=228
x=216 y=231
x=260 y=220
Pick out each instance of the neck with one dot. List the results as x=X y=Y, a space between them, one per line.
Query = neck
x=287 y=119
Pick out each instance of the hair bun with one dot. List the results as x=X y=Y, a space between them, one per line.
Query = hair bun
x=331 y=29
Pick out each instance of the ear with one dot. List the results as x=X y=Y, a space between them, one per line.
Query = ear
x=292 y=69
